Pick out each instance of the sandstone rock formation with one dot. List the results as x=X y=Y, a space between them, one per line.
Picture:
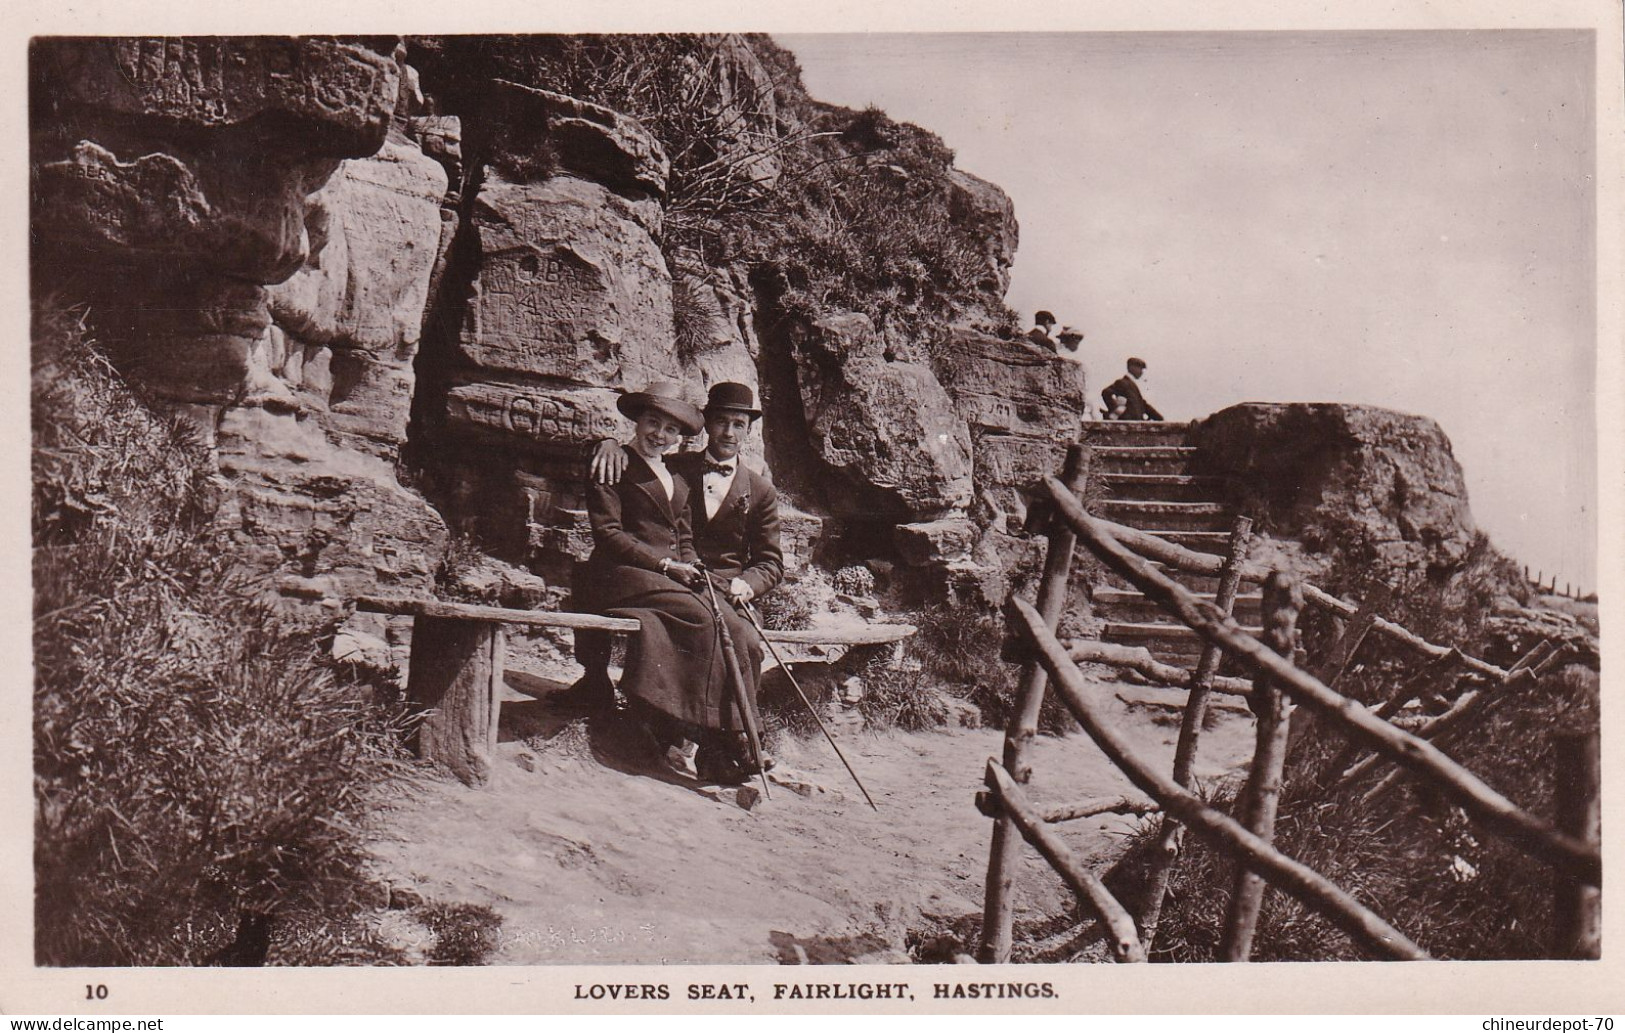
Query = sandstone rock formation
x=986 y=212
x=1336 y=475
x=338 y=271
x=1023 y=405
x=222 y=106
x=179 y=183
x=886 y=425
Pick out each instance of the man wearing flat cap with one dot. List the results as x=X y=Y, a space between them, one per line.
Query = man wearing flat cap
x=1043 y=322
x=736 y=513
x=1123 y=398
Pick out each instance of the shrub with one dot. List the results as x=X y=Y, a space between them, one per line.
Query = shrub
x=194 y=758
x=895 y=697
x=797 y=602
x=465 y=934
x=1410 y=856
x=961 y=647
x=1443 y=606
x=855 y=210
x=858 y=582
x=691 y=316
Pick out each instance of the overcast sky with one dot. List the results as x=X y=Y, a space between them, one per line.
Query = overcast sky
x=1399 y=219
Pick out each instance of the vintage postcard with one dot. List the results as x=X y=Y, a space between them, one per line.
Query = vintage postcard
x=1014 y=509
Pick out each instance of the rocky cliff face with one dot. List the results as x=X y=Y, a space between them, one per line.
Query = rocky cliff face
x=1339 y=477
x=254 y=244
x=344 y=272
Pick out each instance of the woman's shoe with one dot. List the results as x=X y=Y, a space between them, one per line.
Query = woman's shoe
x=681 y=760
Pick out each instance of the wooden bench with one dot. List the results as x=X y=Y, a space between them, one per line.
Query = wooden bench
x=456 y=673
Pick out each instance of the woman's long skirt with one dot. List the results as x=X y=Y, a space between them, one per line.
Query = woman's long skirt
x=676 y=663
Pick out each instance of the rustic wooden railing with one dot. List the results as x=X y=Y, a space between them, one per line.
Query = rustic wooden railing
x=1571 y=850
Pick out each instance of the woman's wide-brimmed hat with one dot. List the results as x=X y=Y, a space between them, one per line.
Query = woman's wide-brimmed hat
x=731 y=397
x=663 y=396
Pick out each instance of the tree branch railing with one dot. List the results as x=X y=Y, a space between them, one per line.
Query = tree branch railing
x=1291 y=877
x=1573 y=852
x=1494 y=812
x=1192 y=562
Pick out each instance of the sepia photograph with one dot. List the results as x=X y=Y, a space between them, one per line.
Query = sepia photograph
x=591 y=505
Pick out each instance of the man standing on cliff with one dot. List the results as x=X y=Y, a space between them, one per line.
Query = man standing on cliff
x=736 y=521
x=1040 y=333
x=1123 y=398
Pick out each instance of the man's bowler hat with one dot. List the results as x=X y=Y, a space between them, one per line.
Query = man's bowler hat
x=731 y=397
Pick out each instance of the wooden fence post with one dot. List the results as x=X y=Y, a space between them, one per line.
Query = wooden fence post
x=1303 y=883
x=1125 y=941
x=1190 y=731
x=1262 y=794
x=454 y=676
x=1577 y=910
x=998 y=910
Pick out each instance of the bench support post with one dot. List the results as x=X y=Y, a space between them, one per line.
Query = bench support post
x=455 y=680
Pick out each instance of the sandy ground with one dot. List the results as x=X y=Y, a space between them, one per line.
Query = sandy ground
x=592 y=854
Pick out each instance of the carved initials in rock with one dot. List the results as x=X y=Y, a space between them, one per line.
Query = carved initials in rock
x=533 y=268
x=548 y=418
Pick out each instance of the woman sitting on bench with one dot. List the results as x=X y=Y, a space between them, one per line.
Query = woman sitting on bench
x=643 y=566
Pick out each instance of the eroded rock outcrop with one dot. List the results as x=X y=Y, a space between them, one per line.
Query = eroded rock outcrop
x=255 y=256
x=222 y=108
x=335 y=274
x=889 y=427
x=347 y=324
x=1023 y=405
x=1337 y=477
x=566 y=303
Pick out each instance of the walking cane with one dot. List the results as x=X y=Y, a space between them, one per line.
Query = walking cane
x=735 y=675
x=750 y=615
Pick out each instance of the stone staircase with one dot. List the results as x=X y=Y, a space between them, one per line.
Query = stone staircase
x=1145 y=468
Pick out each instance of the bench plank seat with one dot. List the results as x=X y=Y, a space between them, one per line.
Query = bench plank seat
x=849 y=635
x=419 y=607
x=456 y=669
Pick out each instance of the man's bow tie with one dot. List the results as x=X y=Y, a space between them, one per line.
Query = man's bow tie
x=711 y=466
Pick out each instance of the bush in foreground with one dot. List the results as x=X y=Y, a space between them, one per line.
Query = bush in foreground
x=195 y=759
x=1409 y=855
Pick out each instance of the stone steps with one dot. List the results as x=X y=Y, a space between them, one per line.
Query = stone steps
x=1167 y=516
x=1217 y=542
x=1145 y=432
x=1128 y=605
x=1132 y=633
x=1163 y=487
x=1149 y=459
x=1146 y=471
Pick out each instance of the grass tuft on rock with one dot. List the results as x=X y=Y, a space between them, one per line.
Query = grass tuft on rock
x=961 y=647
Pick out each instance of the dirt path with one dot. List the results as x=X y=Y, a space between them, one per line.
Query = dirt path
x=592 y=857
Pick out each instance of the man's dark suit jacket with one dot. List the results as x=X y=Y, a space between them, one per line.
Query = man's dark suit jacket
x=742 y=540
x=1128 y=388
